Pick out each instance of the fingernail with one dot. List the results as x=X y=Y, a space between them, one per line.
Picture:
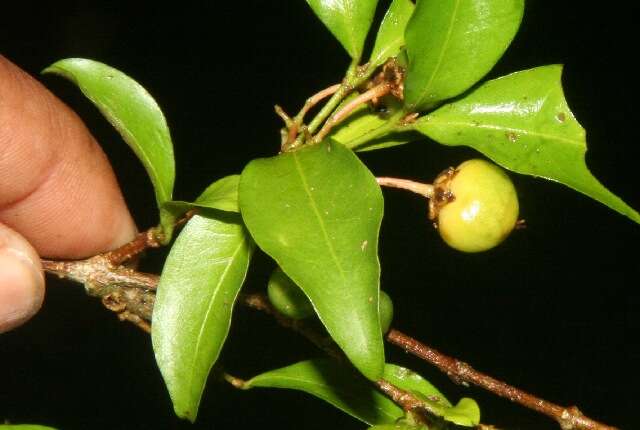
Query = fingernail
x=21 y=288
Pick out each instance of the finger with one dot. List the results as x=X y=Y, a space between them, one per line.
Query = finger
x=56 y=185
x=21 y=280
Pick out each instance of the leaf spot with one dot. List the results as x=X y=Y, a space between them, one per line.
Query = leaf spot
x=364 y=245
x=561 y=117
x=511 y=136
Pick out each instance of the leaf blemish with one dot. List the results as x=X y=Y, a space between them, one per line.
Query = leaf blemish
x=364 y=245
x=511 y=136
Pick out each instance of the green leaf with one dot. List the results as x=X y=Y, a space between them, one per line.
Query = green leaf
x=410 y=381
x=365 y=130
x=317 y=212
x=390 y=37
x=136 y=116
x=336 y=384
x=349 y=392
x=522 y=122
x=465 y=413
x=453 y=43
x=24 y=427
x=347 y=20
x=356 y=132
x=198 y=288
x=221 y=195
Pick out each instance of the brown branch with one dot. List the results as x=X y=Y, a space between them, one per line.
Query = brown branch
x=131 y=295
x=128 y=293
x=404 y=399
x=569 y=418
x=146 y=239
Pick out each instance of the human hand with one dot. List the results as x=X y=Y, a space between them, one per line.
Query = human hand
x=58 y=195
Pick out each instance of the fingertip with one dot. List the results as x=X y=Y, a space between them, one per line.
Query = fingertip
x=58 y=188
x=21 y=280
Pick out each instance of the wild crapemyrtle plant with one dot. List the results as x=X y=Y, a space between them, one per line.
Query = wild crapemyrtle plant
x=316 y=209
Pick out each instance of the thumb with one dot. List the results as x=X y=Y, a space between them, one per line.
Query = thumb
x=21 y=280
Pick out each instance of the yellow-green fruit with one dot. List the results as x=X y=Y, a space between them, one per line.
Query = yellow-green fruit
x=287 y=297
x=386 y=311
x=484 y=208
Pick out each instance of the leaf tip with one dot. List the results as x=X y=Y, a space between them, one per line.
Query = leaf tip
x=189 y=414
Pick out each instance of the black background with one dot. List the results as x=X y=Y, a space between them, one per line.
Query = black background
x=553 y=310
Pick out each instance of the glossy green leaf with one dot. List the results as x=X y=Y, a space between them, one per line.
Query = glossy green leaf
x=361 y=131
x=522 y=122
x=410 y=381
x=349 y=392
x=317 y=212
x=390 y=37
x=453 y=43
x=336 y=384
x=198 y=287
x=465 y=413
x=221 y=195
x=136 y=116
x=24 y=427
x=347 y=20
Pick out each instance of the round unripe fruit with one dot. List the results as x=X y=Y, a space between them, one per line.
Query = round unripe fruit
x=481 y=207
x=287 y=298
x=386 y=311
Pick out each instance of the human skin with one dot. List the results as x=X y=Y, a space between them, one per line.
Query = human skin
x=59 y=197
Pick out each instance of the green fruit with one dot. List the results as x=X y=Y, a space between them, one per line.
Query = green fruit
x=287 y=297
x=475 y=206
x=386 y=311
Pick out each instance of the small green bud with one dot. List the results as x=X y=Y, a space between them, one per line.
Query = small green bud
x=386 y=311
x=287 y=297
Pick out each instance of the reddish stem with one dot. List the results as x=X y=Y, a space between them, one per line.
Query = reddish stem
x=372 y=94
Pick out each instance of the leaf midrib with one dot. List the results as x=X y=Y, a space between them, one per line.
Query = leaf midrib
x=441 y=54
x=316 y=211
x=524 y=132
x=217 y=289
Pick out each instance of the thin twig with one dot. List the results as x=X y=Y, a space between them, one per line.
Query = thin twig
x=425 y=190
x=308 y=105
x=404 y=399
x=288 y=122
x=372 y=94
x=314 y=100
x=143 y=241
x=569 y=418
